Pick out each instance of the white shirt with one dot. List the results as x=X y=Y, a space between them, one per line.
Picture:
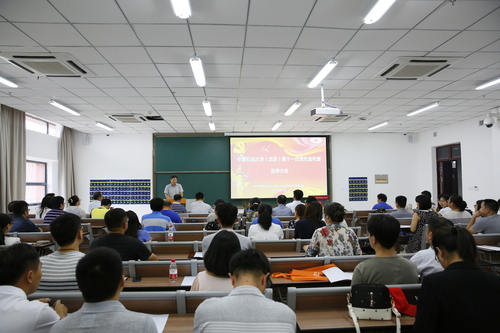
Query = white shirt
x=17 y=314
x=294 y=204
x=451 y=214
x=94 y=204
x=256 y=232
x=12 y=240
x=199 y=207
x=77 y=210
x=444 y=210
x=207 y=282
x=426 y=262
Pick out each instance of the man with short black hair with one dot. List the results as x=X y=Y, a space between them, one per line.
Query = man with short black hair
x=128 y=247
x=387 y=267
x=167 y=211
x=249 y=271
x=199 y=207
x=490 y=220
x=401 y=212
x=381 y=202
x=281 y=209
x=21 y=271
x=227 y=215
x=100 y=212
x=100 y=279
x=59 y=267
x=156 y=221
x=297 y=196
x=173 y=188
x=96 y=203
x=20 y=221
x=177 y=206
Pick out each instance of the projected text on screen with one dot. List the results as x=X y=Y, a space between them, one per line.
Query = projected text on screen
x=266 y=167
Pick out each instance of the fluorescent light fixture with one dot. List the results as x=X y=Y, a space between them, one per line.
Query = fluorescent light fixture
x=378 y=11
x=62 y=107
x=278 y=124
x=101 y=125
x=488 y=84
x=211 y=125
x=323 y=73
x=8 y=83
x=428 y=107
x=379 y=125
x=292 y=108
x=199 y=74
x=182 y=8
x=207 y=107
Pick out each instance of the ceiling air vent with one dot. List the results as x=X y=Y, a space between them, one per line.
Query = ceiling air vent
x=48 y=64
x=333 y=119
x=154 y=118
x=127 y=118
x=415 y=68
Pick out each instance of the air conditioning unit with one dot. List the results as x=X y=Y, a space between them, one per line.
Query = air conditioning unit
x=415 y=68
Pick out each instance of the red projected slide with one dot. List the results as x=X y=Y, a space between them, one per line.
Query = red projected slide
x=267 y=167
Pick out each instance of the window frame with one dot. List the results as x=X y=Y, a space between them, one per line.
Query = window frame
x=44 y=184
x=49 y=127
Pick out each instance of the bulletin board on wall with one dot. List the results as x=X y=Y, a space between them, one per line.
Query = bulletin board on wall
x=358 y=188
x=122 y=191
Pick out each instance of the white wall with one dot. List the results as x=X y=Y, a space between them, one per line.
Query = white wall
x=117 y=156
x=367 y=154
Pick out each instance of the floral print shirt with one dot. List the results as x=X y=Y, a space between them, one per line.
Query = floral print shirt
x=333 y=240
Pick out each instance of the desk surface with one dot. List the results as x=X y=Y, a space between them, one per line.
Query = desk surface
x=177 y=256
x=283 y=254
x=180 y=323
x=339 y=319
x=156 y=283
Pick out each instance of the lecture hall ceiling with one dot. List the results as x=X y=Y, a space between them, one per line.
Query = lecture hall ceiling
x=258 y=56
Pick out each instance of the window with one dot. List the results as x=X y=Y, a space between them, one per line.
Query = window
x=41 y=126
x=36 y=182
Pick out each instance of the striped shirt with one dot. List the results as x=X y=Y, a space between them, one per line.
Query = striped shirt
x=58 y=271
x=52 y=214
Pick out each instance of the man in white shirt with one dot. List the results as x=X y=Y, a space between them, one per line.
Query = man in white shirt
x=21 y=273
x=249 y=271
x=426 y=259
x=96 y=203
x=297 y=196
x=199 y=207
x=173 y=188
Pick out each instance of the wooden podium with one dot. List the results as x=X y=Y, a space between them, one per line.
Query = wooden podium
x=183 y=201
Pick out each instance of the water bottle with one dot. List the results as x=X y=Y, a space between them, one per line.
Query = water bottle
x=173 y=271
x=170 y=237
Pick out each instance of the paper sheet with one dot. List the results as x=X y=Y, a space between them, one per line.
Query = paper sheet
x=198 y=255
x=335 y=274
x=488 y=247
x=188 y=280
x=160 y=321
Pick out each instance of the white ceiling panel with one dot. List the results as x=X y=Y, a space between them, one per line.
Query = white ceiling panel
x=332 y=40
x=89 y=11
x=163 y=35
x=108 y=35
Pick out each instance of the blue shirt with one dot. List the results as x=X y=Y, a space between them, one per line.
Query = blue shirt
x=282 y=210
x=274 y=220
x=173 y=215
x=382 y=204
x=22 y=224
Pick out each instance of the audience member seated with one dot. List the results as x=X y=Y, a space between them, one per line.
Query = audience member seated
x=5 y=226
x=10 y=207
x=297 y=196
x=74 y=207
x=386 y=267
x=129 y=248
x=310 y=199
x=443 y=204
x=401 y=212
x=167 y=211
x=227 y=215
x=265 y=229
x=457 y=205
x=100 y=212
x=57 y=204
x=426 y=259
x=21 y=273
x=381 y=202
x=96 y=203
x=100 y=278
x=177 y=206
x=20 y=221
x=212 y=217
x=251 y=211
x=249 y=271
x=257 y=215
x=44 y=206
x=199 y=207
x=304 y=228
x=156 y=221
x=281 y=209
x=216 y=260
x=334 y=239
x=427 y=193
x=490 y=220
x=463 y=297
x=299 y=215
x=58 y=268
x=418 y=221
x=134 y=229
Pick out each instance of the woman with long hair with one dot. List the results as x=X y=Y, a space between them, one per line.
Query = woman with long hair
x=265 y=229
x=135 y=228
x=74 y=207
x=457 y=205
x=419 y=219
x=300 y=209
x=44 y=206
x=251 y=211
x=334 y=239
x=216 y=276
x=304 y=228
x=5 y=225
x=463 y=297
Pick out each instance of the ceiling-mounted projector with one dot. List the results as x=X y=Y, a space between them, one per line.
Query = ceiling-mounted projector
x=325 y=112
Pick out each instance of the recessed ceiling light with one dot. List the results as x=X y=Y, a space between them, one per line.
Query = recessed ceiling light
x=278 y=124
x=378 y=11
x=292 y=108
x=323 y=73
x=488 y=84
x=8 y=83
x=182 y=8
x=198 y=72
x=207 y=107
x=428 y=107
x=101 y=125
x=211 y=125
x=65 y=108
x=378 y=126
